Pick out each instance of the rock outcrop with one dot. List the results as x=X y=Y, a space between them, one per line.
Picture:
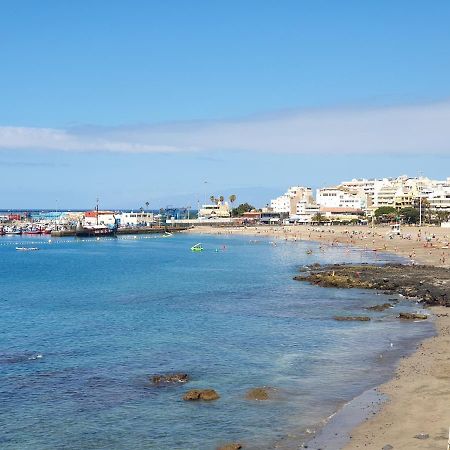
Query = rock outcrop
x=352 y=318
x=380 y=308
x=259 y=393
x=201 y=394
x=429 y=284
x=170 y=378
x=231 y=446
x=412 y=316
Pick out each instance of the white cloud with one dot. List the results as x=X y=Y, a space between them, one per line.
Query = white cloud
x=400 y=129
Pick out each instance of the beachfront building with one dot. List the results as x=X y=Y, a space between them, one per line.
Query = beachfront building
x=92 y=218
x=135 y=219
x=287 y=203
x=219 y=210
x=304 y=212
x=339 y=197
x=341 y=214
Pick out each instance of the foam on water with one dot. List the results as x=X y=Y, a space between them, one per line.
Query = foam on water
x=89 y=321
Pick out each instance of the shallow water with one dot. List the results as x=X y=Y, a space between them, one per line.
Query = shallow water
x=83 y=323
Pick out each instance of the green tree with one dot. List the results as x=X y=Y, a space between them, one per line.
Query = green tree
x=385 y=214
x=146 y=204
x=319 y=218
x=409 y=215
x=427 y=213
x=232 y=199
x=221 y=198
x=213 y=199
x=442 y=216
x=242 y=208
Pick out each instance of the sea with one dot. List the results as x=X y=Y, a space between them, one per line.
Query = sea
x=86 y=323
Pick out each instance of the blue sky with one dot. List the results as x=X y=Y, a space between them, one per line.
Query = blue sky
x=144 y=101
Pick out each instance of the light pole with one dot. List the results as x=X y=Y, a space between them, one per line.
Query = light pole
x=420 y=209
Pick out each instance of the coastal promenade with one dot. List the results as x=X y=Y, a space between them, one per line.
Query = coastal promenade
x=416 y=415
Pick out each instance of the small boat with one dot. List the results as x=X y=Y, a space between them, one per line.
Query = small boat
x=33 y=232
x=26 y=249
x=309 y=252
x=167 y=234
x=197 y=248
x=13 y=232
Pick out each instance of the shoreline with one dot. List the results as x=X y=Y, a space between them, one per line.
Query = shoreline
x=414 y=411
x=416 y=244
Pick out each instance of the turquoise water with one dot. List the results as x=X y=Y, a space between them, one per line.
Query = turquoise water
x=83 y=324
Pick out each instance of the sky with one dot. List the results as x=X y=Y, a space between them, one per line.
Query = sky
x=170 y=102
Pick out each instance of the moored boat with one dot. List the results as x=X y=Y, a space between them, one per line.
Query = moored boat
x=95 y=231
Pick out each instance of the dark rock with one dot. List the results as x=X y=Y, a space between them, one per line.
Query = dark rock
x=382 y=307
x=231 y=446
x=412 y=316
x=387 y=447
x=201 y=394
x=422 y=436
x=352 y=318
x=170 y=378
x=428 y=283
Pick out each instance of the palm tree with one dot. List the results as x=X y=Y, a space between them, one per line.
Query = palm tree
x=212 y=198
x=146 y=204
x=221 y=199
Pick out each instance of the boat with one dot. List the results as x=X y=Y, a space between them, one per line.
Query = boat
x=33 y=232
x=167 y=234
x=197 y=248
x=309 y=252
x=26 y=249
x=13 y=232
x=94 y=231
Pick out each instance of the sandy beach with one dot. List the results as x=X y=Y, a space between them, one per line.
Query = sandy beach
x=424 y=245
x=417 y=413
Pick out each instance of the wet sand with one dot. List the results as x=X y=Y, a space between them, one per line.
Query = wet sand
x=419 y=399
x=416 y=414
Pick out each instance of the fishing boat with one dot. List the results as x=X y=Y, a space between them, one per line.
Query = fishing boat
x=26 y=249
x=197 y=248
x=97 y=230
x=33 y=232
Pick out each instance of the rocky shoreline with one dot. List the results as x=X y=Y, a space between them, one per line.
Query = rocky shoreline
x=428 y=284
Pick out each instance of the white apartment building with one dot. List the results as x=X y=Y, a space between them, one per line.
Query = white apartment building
x=132 y=219
x=439 y=198
x=339 y=197
x=287 y=203
x=304 y=211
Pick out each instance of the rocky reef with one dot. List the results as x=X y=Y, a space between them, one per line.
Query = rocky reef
x=170 y=378
x=201 y=394
x=260 y=393
x=231 y=446
x=431 y=285
x=352 y=318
